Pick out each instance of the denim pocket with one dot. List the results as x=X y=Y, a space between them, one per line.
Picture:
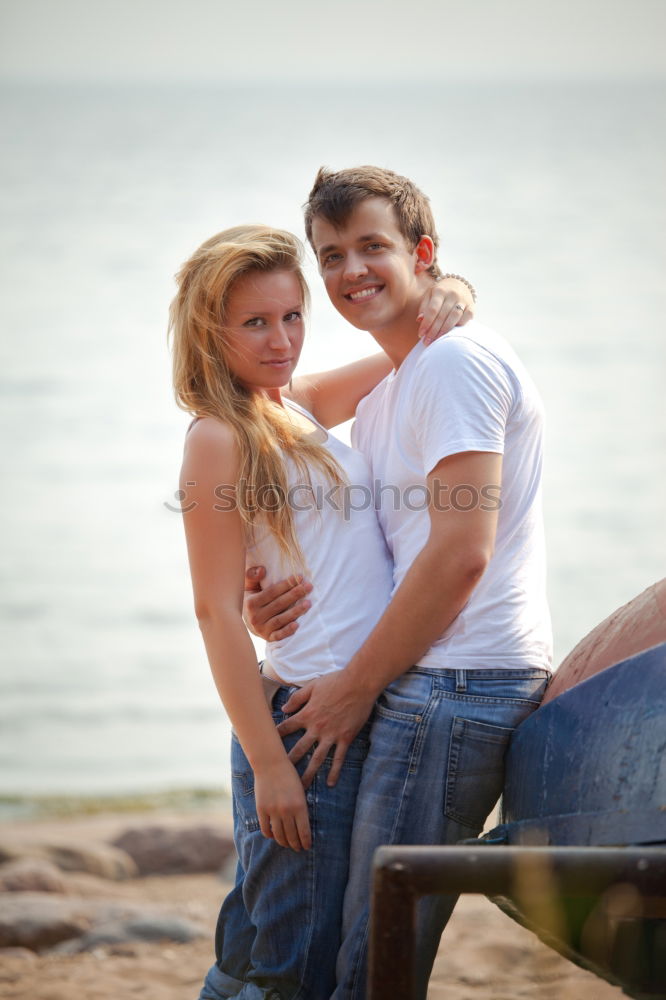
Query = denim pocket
x=507 y=687
x=242 y=783
x=406 y=699
x=476 y=770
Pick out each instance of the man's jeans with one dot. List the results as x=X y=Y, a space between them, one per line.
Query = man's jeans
x=279 y=929
x=433 y=774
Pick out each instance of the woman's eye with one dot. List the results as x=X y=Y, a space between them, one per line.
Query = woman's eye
x=293 y=316
x=255 y=321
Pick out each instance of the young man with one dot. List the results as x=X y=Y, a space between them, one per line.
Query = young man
x=462 y=654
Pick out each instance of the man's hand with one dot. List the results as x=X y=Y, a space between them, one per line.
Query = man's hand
x=271 y=613
x=332 y=713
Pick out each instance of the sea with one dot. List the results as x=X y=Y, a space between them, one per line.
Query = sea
x=550 y=198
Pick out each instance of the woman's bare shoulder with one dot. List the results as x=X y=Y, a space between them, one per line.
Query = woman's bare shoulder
x=211 y=441
x=210 y=429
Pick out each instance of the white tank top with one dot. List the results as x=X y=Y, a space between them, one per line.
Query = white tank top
x=347 y=562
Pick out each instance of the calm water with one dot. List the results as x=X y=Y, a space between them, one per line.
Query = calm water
x=551 y=200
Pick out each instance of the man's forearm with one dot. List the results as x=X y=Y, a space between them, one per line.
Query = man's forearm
x=332 y=709
x=432 y=594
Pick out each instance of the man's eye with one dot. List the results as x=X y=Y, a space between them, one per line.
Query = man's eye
x=331 y=258
x=375 y=246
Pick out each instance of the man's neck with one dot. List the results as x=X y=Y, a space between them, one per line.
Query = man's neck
x=398 y=339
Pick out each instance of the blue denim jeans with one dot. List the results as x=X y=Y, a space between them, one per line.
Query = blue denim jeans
x=433 y=774
x=279 y=930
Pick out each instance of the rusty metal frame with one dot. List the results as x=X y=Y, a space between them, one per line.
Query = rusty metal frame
x=403 y=874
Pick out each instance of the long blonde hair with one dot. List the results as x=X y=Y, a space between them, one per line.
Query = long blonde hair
x=204 y=384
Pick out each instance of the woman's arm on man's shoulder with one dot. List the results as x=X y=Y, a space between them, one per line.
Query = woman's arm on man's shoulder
x=332 y=396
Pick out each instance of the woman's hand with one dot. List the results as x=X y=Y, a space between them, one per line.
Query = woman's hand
x=445 y=305
x=271 y=612
x=281 y=807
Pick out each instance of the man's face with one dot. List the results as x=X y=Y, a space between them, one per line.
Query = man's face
x=371 y=275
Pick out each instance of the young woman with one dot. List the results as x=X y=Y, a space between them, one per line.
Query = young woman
x=266 y=484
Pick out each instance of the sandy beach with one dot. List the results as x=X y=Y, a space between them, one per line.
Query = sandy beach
x=483 y=954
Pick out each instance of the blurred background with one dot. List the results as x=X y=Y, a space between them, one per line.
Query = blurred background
x=132 y=131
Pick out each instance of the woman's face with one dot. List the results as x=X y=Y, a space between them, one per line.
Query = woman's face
x=264 y=328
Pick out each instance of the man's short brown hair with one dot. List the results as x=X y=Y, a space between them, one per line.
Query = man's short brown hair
x=335 y=194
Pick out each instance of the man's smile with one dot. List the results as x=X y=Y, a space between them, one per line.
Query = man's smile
x=362 y=294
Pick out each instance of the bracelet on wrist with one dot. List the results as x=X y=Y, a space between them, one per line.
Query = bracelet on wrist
x=459 y=277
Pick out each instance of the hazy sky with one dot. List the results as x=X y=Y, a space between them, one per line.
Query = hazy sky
x=345 y=41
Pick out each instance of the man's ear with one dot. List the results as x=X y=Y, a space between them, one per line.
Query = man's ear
x=425 y=254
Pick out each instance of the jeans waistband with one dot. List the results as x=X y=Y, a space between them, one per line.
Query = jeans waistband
x=483 y=672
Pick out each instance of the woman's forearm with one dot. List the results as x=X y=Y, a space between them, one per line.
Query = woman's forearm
x=278 y=793
x=238 y=681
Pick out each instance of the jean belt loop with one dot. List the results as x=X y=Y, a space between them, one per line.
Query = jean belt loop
x=461 y=680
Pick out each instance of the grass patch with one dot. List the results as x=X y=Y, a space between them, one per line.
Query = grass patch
x=43 y=806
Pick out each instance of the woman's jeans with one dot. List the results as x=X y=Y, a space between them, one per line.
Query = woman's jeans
x=433 y=774
x=278 y=931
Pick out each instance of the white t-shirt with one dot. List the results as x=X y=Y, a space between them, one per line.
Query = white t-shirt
x=466 y=392
x=347 y=562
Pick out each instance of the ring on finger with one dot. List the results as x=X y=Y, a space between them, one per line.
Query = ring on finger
x=460 y=306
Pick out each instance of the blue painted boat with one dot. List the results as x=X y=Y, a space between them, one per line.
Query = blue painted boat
x=589 y=768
